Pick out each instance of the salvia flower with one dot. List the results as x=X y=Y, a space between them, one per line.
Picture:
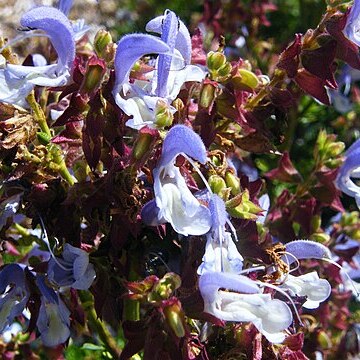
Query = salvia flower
x=242 y=301
x=143 y=100
x=310 y=285
x=73 y=269
x=16 y=81
x=14 y=294
x=350 y=169
x=174 y=202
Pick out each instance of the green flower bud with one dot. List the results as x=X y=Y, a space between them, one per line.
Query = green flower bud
x=316 y=222
x=81 y=169
x=242 y=207
x=324 y=340
x=95 y=71
x=175 y=318
x=320 y=237
x=233 y=182
x=215 y=60
x=217 y=183
x=102 y=39
x=245 y=80
x=167 y=285
x=334 y=163
x=224 y=71
x=142 y=146
x=163 y=114
x=336 y=148
x=207 y=95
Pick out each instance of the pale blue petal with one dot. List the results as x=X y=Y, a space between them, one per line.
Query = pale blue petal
x=73 y=269
x=264 y=203
x=13 y=302
x=47 y=292
x=65 y=6
x=211 y=282
x=181 y=139
x=12 y=274
x=218 y=211
x=149 y=214
x=169 y=32
x=352 y=26
x=58 y=27
x=131 y=48
x=183 y=40
x=349 y=169
x=53 y=322
x=305 y=249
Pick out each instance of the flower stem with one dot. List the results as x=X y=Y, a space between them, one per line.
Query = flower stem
x=38 y=113
x=97 y=325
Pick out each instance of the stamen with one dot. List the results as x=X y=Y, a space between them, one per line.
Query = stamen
x=345 y=273
x=256 y=268
x=288 y=263
x=23 y=36
x=45 y=238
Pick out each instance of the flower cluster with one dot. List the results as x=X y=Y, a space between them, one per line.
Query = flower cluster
x=160 y=197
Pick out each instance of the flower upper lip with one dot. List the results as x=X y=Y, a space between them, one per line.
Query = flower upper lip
x=19 y=80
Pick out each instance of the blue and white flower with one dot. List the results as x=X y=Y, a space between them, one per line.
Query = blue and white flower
x=142 y=99
x=17 y=81
x=174 y=202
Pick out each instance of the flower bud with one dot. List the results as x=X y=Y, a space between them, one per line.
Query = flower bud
x=102 y=39
x=95 y=71
x=335 y=148
x=217 y=183
x=242 y=207
x=333 y=163
x=320 y=237
x=245 y=80
x=167 y=285
x=43 y=138
x=215 y=60
x=144 y=144
x=80 y=169
x=163 y=114
x=316 y=222
x=175 y=318
x=224 y=71
x=207 y=95
x=218 y=66
x=324 y=340
x=233 y=182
